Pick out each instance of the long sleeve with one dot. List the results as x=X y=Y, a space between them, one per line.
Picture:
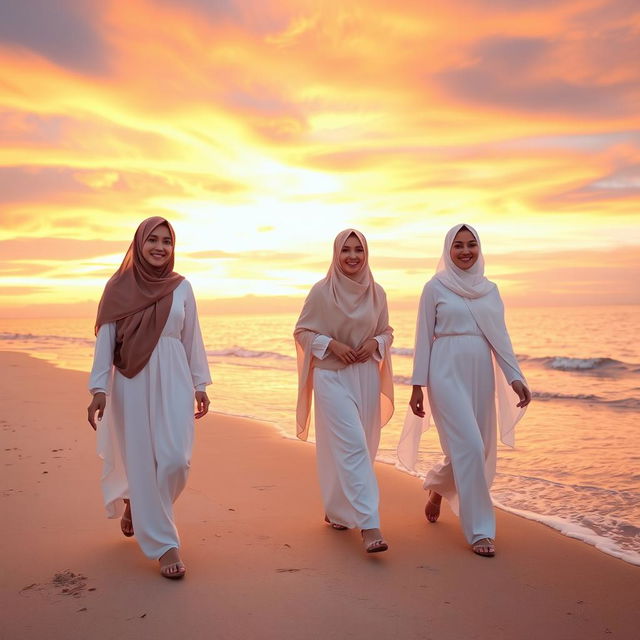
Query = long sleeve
x=425 y=328
x=191 y=338
x=100 y=378
x=320 y=345
x=384 y=340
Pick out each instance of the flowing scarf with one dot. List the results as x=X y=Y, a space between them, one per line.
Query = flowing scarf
x=349 y=309
x=485 y=304
x=138 y=298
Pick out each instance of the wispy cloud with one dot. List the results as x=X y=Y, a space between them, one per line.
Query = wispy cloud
x=263 y=129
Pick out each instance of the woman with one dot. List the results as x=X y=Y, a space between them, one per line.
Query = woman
x=343 y=341
x=460 y=327
x=149 y=358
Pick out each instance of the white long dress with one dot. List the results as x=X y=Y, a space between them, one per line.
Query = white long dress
x=453 y=359
x=145 y=437
x=347 y=425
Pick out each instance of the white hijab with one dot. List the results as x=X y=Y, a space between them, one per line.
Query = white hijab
x=470 y=283
x=485 y=304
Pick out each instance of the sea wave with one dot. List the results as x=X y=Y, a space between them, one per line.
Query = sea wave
x=402 y=351
x=620 y=403
x=596 y=364
x=558 y=363
x=240 y=352
x=43 y=339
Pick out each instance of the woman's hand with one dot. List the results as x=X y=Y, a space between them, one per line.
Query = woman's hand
x=344 y=352
x=417 y=401
x=523 y=393
x=366 y=350
x=202 y=403
x=98 y=403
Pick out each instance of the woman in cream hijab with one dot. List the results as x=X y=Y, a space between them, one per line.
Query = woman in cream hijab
x=343 y=341
x=463 y=355
x=151 y=363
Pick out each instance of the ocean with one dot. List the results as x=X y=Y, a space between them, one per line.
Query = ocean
x=576 y=465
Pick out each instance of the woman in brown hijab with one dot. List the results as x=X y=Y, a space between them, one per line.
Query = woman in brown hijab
x=343 y=340
x=151 y=362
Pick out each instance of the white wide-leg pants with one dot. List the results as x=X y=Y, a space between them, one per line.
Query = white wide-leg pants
x=462 y=398
x=347 y=425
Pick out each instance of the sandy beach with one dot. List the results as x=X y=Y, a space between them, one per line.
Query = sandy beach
x=260 y=562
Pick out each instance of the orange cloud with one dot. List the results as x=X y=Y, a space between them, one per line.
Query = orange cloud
x=260 y=131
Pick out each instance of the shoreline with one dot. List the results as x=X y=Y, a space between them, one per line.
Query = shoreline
x=563 y=526
x=566 y=527
x=260 y=562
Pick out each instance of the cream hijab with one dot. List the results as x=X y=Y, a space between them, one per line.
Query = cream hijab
x=350 y=310
x=485 y=304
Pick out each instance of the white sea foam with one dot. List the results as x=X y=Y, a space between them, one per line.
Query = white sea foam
x=577 y=531
x=564 y=525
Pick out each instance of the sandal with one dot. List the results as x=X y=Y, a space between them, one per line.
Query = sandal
x=335 y=525
x=484 y=547
x=432 y=509
x=173 y=571
x=126 y=523
x=375 y=546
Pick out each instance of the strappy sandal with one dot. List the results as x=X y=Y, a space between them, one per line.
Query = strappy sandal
x=166 y=570
x=431 y=509
x=484 y=547
x=334 y=525
x=376 y=546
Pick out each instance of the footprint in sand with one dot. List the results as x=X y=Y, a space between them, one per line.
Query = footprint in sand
x=65 y=583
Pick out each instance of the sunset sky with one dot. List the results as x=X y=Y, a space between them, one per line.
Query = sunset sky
x=262 y=128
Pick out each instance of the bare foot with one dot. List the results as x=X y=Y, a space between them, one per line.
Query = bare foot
x=171 y=566
x=432 y=508
x=373 y=540
x=126 y=522
x=484 y=547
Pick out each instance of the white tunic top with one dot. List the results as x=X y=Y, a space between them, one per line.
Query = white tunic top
x=444 y=313
x=182 y=324
x=447 y=329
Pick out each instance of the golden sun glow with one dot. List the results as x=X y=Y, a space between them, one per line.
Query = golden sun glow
x=262 y=129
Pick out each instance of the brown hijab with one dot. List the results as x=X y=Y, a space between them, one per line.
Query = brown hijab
x=138 y=298
x=350 y=310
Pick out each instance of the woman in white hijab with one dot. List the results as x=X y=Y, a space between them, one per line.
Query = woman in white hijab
x=343 y=341
x=463 y=356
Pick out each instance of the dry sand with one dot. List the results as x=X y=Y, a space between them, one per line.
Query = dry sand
x=261 y=564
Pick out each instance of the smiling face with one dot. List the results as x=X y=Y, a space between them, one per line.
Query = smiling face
x=158 y=247
x=352 y=256
x=464 y=250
